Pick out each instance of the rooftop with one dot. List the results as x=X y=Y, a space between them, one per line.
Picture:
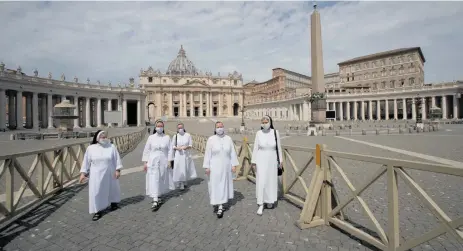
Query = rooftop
x=384 y=54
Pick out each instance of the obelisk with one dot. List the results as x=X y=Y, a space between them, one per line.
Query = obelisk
x=318 y=75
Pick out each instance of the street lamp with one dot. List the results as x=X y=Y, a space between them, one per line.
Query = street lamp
x=418 y=104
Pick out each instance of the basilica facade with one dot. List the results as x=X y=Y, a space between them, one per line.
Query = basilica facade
x=184 y=91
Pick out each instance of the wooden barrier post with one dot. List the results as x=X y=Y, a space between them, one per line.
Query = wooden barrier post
x=309 y=217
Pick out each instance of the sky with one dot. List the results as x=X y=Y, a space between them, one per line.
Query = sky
x=112 y=41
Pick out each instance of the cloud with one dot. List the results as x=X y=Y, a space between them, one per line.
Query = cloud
x=112 y=41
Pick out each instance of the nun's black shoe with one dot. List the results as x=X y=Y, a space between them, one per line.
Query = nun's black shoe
x=96 y=216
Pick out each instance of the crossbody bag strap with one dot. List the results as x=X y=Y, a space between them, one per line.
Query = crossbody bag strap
x=276 y=146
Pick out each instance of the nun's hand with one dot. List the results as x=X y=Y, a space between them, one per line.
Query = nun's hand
x=208 y=171
x=82 y=178
x=117 y=174
x=233 y=169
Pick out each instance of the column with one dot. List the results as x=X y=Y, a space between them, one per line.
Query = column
x=220 y=104
x=444 y=107
x=192 y=108
x=370 y=109
x=433 y=101
x=201 y=104
x=305 y=109
x=378 y=109
x=2 y=110
x=19 y=110
x=348 y=110
x=301 y=112
x=44 y=111
x=404 y=109
x=423 y=108
x=395 y=109
x=50 y=110
x=35 y=111
x=413 y=109
x=76 y=112
x=355 y=110
x=124 y=112
x=87 y=113
x=386 y=109
x=455 y=106
x=291 y=113
x=139 y=122
x=98 y=113
x=11 y=109
x=28 y=111
x=171 y=102
x=362 y=110
x=341 y=111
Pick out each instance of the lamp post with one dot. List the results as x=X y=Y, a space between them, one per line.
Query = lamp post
x=243 y=125
x=418 y=106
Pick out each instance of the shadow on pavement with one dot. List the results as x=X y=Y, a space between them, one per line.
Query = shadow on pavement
x=37 y=215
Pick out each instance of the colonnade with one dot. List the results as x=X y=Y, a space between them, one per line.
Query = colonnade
x=24 y=109
x=362 y=108
x=292 y=111
x=396 y=108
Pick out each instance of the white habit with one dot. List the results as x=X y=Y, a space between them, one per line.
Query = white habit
x=102 y=163
x=264 y=155
x=220 y=157
x=184 y=167
x=158 y=153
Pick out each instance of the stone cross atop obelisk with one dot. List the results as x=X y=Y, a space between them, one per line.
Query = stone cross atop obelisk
x=318 y=97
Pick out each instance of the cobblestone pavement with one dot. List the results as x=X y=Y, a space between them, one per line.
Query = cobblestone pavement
x=186 y=220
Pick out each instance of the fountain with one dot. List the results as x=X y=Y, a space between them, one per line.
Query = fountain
x=64 y=114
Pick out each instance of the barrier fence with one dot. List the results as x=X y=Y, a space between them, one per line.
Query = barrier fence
x=318 y=194
x=49 y=171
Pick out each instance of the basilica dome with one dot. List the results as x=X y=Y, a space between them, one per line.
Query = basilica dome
x=181 y=65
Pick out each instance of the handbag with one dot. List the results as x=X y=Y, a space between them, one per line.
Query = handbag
x=172 y=162
x=280 y=170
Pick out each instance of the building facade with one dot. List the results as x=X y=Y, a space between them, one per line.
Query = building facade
x=379 y=86
x=184 y=91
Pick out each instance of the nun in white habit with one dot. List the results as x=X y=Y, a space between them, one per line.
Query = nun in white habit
x=102 y=163
x=156 y=157
x=184 y=167
x=220 y=160
x=266 y=157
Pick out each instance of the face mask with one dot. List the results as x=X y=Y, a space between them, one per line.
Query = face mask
x=104 y=142
x=181 y=131
x=219 y=131
x=265 y=126
x=159 y=129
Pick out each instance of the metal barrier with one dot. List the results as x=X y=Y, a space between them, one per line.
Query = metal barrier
x=320 y=202
x=49 y=171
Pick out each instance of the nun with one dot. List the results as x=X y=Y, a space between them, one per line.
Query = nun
x=103 y=164
x=265 y=161
x=184 y=167
x=157 y=155
x=220 y=161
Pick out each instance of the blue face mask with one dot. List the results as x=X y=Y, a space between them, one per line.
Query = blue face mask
x=159 y=129
x=181 y=131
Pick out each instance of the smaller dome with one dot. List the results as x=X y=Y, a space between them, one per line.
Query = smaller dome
x=181 y=65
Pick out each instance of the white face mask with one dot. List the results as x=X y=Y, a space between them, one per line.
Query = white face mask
x=265 y=126
x=181 y=131
x=219 y=131
x=104 y=142
x=159 y=129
